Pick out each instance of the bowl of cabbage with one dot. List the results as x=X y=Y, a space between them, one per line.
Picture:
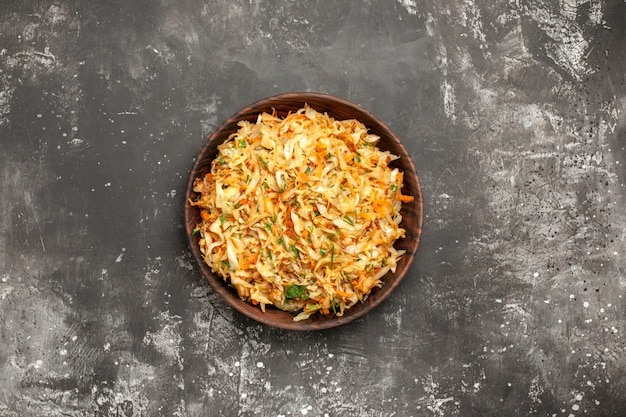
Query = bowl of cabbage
x=303 y=211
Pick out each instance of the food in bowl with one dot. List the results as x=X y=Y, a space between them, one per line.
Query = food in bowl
x=301 y=212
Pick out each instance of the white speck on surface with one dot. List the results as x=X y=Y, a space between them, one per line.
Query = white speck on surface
x=447 y=91
x=76 y=142
x=260 y=365
x=409 y=5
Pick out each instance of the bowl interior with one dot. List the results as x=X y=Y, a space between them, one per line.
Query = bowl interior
x=412 y=213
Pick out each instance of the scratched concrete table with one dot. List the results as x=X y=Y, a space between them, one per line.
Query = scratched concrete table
x=513 y=112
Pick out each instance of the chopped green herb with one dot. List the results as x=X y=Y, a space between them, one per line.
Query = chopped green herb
x=262 y=161
x=394 y=188
x=296 y=291
x=281 y=240
x=323 y=251
x=295 y=250
x=195 y=231
x=265 y=184
x=221 y=161
x=307 y=170
x=348 y=220
x=269 y=254
x=242 y=143
x=332 y=253
x=226 y=264
x=222 y=219
x=358 y=158
x=268 y=226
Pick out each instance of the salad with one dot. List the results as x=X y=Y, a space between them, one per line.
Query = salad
x=301 y=212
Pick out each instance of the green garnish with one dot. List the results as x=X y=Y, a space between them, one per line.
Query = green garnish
x=262 y=161
x=394 y=188
x=296 y=291
x=348 y=220
x=242 y=143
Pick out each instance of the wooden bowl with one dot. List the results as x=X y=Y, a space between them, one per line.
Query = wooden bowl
x=412 y=213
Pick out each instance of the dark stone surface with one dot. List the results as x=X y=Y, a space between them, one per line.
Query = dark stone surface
x=513 y=113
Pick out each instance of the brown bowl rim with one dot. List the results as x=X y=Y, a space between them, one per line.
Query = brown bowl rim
x=274 y=316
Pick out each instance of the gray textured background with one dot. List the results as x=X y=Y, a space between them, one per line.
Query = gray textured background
x=513 y=112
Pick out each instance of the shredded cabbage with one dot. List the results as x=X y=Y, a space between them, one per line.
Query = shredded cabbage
x=301 y=213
